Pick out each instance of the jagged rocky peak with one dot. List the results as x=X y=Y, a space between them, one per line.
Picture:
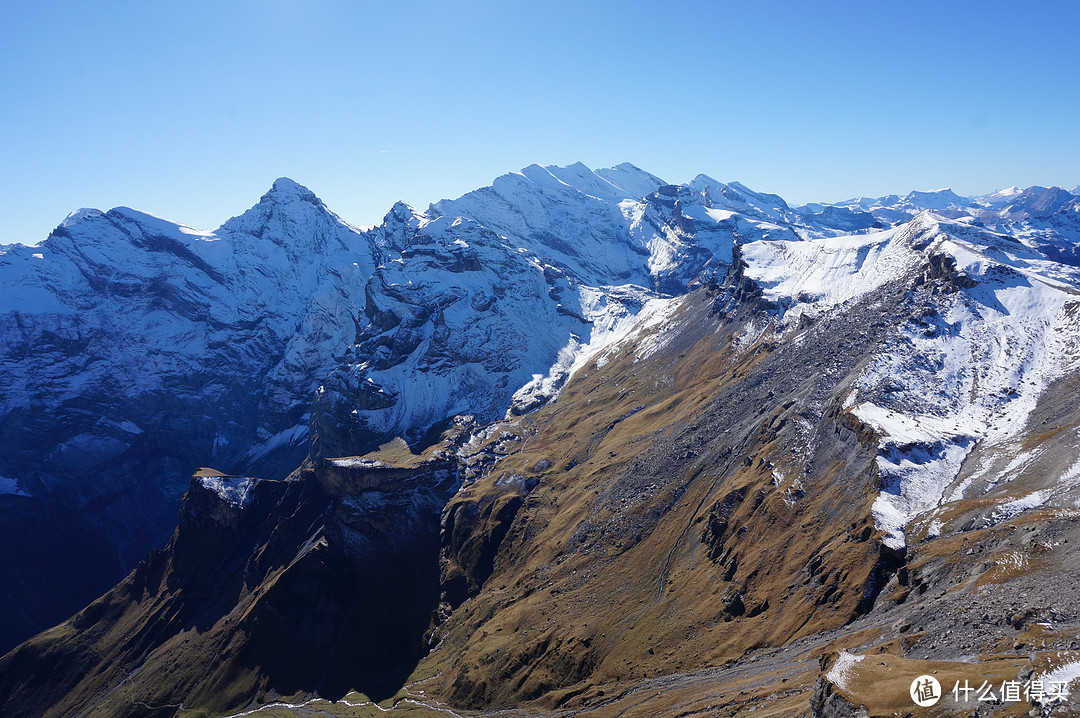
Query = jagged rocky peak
x=290 y=215
x=400 y=226
x=287 y=190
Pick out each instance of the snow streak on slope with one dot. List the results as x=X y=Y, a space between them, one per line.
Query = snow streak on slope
x=977 y=350
x=613 y=312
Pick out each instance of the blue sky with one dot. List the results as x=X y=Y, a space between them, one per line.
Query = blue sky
x=189 y=110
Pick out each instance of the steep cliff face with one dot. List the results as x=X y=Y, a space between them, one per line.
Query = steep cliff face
x=323 y=583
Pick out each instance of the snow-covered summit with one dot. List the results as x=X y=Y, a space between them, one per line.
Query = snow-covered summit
x=284 y=189
x=570 y=216
x=998 y=198
x=292 y=216
x=81 y=214
x=992 y=325
x=608 y=186
x=936 y=199
x=632 y=182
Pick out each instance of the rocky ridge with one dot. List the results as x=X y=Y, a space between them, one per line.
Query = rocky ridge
x=136 y=348
x=780 y=463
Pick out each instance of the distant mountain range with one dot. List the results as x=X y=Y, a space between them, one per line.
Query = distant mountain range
x=649 y=431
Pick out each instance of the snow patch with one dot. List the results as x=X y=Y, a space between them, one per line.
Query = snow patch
x=1062 y=675
x=825 y=272
x=1016 y=507
x=292 y=436
x=234 y=490
x=356 y=462
x=10 y=487
x=128 y=426
x=840 y=673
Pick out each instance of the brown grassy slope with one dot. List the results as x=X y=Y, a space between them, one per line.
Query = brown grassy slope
x=692 y=505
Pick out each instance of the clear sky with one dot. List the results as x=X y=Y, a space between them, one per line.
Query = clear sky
x=189 y=110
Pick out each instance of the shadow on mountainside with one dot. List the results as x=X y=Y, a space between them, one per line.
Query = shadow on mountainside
x=293 y=593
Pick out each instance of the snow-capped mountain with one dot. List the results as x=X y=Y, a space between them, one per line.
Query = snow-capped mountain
x=134 y=347
x=589 y=408
x=571 y=216
x=459 y=322
x=1000 y=198
x=122 y=330
x=138 y=347
x=962 y=375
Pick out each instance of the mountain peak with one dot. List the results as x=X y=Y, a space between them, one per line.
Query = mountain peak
x=402 y=212
x=287 y=189
x=287 y=209
x=631 y=179
x=704 y=180
x=400 y=225
x=81 y=214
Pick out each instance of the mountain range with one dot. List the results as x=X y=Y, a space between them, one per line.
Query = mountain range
x=578 y=443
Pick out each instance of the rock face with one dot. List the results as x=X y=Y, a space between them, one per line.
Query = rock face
x=459 y=323
x=337 y=596
x=527 y=484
